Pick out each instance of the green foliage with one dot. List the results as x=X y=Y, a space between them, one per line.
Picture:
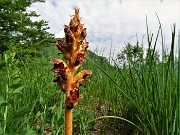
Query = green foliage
x=153 y=90
x=133 y=99
x=11 y=93
x=18 y=32
x=147 y=95
x=129 y=100
x=32 y=104
x=134 y=55
x=131 y=54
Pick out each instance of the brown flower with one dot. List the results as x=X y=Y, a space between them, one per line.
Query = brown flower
x=74 y=48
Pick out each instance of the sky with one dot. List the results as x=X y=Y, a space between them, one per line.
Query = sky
x=113 y=23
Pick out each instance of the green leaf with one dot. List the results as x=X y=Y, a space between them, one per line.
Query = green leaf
x=38 y=114
x=4 y=104
x=53 y=108
x=60 y=121
x=1 y=118
x=28 y=131
x=41 y=100
x=19 y=114
x=15 y=72
x=1 y=130
x=16 y=79
x=9 y=58
x=59 y=110
x=15 y=86
x=18 y=90
x=1 y=100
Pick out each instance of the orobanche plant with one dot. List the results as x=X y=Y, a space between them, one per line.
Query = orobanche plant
x=74 y=48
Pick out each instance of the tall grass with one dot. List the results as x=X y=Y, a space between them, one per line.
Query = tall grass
x=178 y=89
x=147 y=95
x=157 y=89
x=152 y=90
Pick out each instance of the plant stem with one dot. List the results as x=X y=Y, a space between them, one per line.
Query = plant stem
x=68 y=121
x=6 y=99
x=5 y=110
x=68 y=112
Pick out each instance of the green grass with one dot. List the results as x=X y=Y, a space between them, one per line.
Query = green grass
x=117 y=100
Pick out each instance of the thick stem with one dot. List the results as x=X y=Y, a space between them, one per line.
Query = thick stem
x=68 y=122
x=68 y=111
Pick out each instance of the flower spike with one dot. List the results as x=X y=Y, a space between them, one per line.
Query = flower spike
x=74 y=49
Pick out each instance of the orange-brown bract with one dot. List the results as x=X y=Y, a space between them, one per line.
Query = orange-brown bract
x=74 y=49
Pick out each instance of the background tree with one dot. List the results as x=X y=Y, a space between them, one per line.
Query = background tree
x=18 y=32
x=130 y=54
x=133 y=55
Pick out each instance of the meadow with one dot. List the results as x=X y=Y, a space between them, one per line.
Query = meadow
x=128 y=100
